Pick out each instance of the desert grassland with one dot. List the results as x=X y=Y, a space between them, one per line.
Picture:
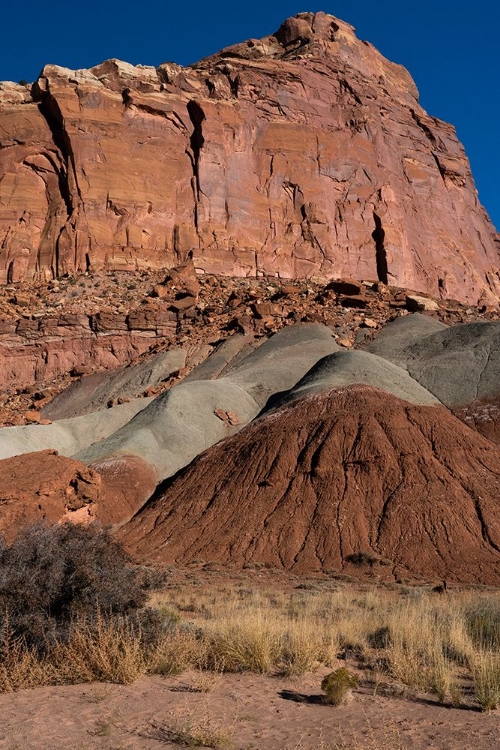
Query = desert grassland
x=406 y=642
x=411 y=640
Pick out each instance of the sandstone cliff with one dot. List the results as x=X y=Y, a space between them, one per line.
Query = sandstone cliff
x=302 y=154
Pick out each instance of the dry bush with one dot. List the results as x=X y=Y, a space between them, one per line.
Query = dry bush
x=70 y=609
x=90 y=624
x=482 y=621
x=105 y=649
x=248 y=644
x=421 y=641
x=50 y=574
x=338 y=686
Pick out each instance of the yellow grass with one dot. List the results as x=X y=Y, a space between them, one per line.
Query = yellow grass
x=401 y=640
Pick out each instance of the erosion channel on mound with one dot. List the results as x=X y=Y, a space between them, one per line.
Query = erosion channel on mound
x=354 y=480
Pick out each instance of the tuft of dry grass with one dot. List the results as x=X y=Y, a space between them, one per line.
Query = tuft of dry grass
x=189 y=731
x=486 y=679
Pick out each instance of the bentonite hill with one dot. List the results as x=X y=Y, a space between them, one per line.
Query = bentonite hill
x=250 y=313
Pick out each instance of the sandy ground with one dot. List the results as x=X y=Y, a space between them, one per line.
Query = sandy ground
x=258 y=713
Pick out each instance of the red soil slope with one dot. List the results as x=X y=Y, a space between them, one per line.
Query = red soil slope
x=407 y=490
x=483 y=416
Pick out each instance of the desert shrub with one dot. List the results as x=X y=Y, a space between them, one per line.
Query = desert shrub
x=380 y=638
x=338 y=685
x=51 y=574
x=362 y=558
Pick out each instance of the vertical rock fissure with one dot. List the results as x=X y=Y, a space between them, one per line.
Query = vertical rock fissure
x=196 y=141
x=380 y=254
x=67 y=176
x=57 y=136
x=50 y=110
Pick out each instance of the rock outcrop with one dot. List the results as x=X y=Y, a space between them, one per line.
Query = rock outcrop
x=46 y=487
x=355 y=480
x=302 y=154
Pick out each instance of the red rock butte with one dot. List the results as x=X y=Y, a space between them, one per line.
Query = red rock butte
x=303 y=154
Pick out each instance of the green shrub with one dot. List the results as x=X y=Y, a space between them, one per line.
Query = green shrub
x=338 y=685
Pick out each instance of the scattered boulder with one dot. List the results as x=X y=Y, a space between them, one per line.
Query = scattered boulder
x=415 y=303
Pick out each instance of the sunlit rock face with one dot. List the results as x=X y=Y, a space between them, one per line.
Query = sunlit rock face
x=305 y=153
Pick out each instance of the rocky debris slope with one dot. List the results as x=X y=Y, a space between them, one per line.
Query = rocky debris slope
x=355 y=480
x=43 y=347
x=302 y=154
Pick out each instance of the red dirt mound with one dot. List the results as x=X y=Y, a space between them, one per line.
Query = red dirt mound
x=354 y=480
x=127 y=482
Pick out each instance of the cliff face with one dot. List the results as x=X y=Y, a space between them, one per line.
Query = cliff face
x=302 y=154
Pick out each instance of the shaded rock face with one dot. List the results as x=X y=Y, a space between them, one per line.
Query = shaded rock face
x=302 y=154
x=354 y=480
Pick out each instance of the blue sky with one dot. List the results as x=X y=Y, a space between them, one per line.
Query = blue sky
x=449 y=46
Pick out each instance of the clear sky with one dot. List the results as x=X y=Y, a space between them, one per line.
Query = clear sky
x=450 y=47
